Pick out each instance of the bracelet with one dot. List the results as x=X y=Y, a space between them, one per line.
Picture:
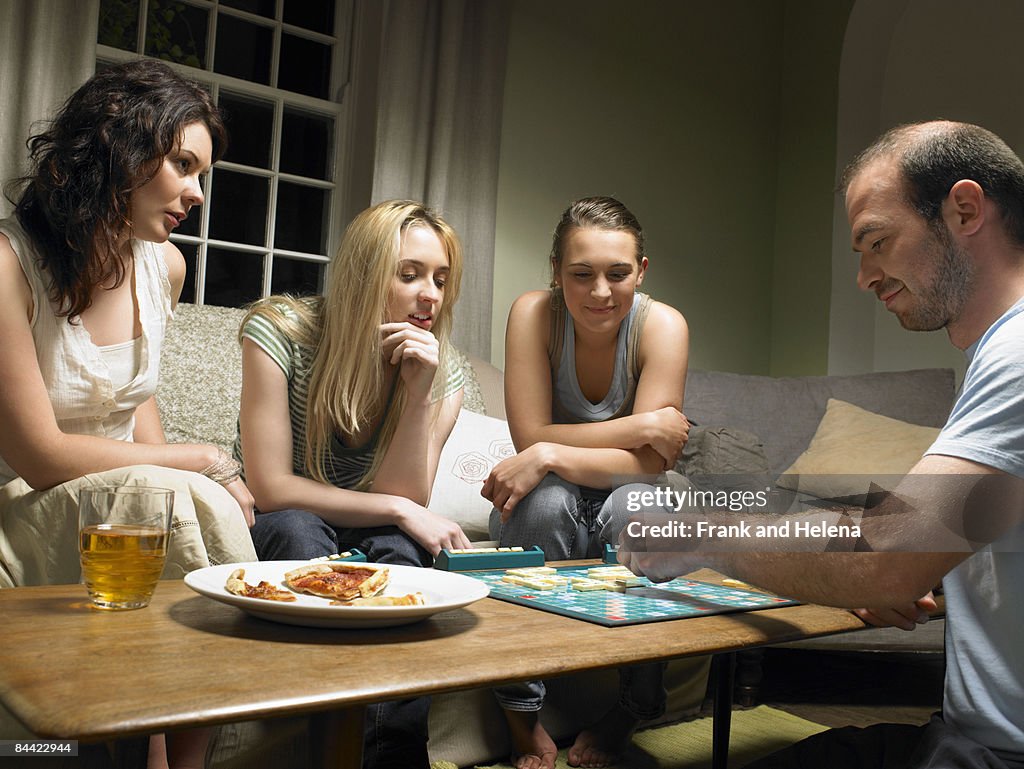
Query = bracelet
x=225 y=470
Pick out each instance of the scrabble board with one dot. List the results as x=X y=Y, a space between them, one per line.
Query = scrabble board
x=646 y=602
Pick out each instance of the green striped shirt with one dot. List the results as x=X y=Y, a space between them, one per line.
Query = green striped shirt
x=344 y=466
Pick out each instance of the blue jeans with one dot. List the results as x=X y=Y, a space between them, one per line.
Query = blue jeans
x=395 y=733
x=565 y=520
x=288 y=535
x=569 y=521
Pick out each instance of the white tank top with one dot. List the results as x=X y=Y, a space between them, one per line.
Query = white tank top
x=82 y=389
x=123 y=360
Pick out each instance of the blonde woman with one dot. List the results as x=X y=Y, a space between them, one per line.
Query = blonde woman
x=347 y=400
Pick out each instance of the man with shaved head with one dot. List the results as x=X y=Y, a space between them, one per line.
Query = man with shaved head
x=936 y=213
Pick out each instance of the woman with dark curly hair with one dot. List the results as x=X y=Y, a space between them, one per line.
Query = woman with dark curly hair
x=88 y=283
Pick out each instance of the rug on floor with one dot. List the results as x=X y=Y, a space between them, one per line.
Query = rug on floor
x=755 y=733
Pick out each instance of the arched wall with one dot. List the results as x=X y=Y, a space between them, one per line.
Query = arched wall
x=903 y=61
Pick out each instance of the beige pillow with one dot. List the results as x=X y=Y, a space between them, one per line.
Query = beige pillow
x=477 y=443
x=853 y=448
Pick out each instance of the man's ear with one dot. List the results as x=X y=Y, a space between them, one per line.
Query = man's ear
x=964 y=207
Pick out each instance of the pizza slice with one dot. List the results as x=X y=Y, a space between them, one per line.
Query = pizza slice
x=412 y=599
x=341 y=581
x=236 y=584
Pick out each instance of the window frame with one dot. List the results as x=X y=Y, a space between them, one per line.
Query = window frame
x=336 y=108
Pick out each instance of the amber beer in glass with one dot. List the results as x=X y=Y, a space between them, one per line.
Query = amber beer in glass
x=123 y=534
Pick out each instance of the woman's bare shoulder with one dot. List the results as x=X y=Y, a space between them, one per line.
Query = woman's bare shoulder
x=532 y=302
x=530 y=314
x=175 y=261
x=664 y=318
x=14 y=283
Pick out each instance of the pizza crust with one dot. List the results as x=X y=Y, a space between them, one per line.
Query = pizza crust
x=412 y=599
x=236 y=584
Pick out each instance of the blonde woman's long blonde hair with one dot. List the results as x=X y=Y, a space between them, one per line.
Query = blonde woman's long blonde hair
x=347 y=375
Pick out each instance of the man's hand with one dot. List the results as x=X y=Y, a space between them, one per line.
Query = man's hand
x=648 y=548
x=514 y=478
x=905 y=617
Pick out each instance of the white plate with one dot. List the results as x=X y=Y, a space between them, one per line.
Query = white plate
x=442 y=591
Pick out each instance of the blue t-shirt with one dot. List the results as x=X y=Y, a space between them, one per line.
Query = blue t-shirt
x=984 y=690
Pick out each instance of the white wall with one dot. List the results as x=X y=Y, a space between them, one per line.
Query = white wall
x=908 y=60
x=811 y=44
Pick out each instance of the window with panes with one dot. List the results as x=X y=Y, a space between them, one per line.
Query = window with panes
x=275 y=67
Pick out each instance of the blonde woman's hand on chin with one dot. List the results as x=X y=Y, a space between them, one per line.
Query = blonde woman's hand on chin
x=416 y=351
x=434 y=532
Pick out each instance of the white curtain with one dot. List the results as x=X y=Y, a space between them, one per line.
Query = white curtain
x=47 y=49
x=441 y=83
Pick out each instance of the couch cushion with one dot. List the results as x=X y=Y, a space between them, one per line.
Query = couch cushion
x=490 y=384
x=201 y=375
x=854 y=449
x=477 y=444
x=472 y=396
x=711 y=451
x=785 y=411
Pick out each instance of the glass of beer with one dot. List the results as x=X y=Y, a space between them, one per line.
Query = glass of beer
x=123 y=534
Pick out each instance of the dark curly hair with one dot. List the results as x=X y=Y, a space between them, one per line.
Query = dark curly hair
x=108 y=139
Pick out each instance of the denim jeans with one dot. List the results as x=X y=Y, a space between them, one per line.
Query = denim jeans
x=565 y=520
x=288 y=535
x=395 y=733
x=569 y=521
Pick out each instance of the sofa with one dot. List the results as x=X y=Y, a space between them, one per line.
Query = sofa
x=744 y=426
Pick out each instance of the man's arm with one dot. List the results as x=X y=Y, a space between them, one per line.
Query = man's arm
x=943 y=511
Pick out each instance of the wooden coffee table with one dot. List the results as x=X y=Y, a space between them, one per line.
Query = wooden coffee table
x=71 y=672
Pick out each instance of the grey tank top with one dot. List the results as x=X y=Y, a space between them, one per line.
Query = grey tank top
x=568 y=403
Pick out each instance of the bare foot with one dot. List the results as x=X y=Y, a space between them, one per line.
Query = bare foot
x=532 y=745
x=604 y=743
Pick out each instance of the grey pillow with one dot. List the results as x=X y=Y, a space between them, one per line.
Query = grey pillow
x=733 y=458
